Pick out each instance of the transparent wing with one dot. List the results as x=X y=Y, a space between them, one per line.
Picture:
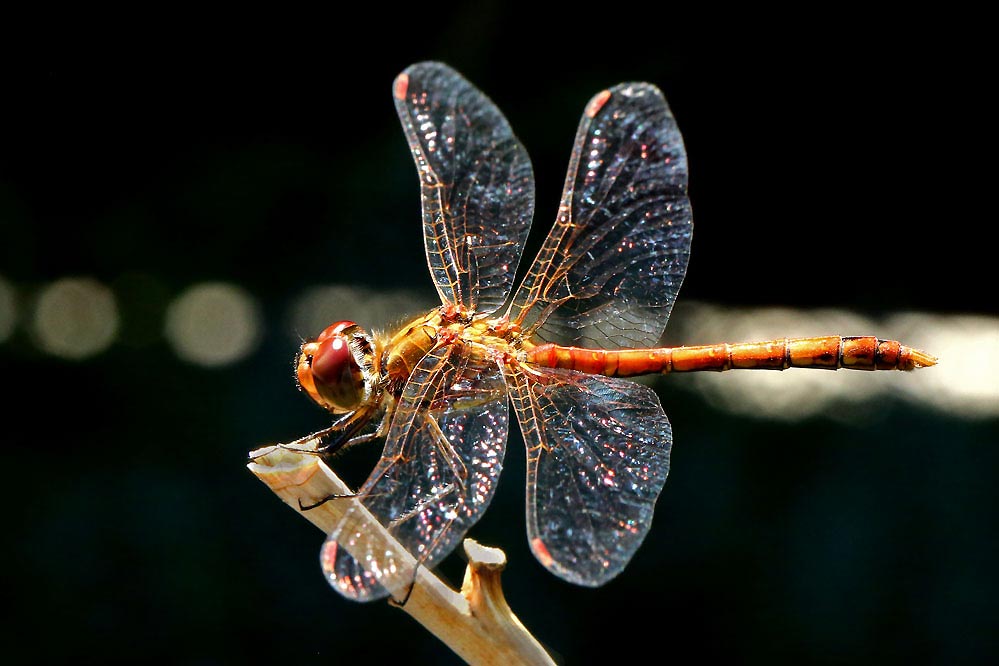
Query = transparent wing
x=609 y=271
x=436 y=476
x=597 y=458
x=476 y=182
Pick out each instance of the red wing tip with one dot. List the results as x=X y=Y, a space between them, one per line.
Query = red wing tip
x=400 y=86
x=541 y=552
x=327 y=557
x=597 y=103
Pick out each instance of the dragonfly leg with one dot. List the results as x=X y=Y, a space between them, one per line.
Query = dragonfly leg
x=309 y=507
x=300 y=445
x=360 y=439
x=341 y=445
x=461 y=474
x=450 y=456
x=409 y=590
x=457 y=486
x=349 y=425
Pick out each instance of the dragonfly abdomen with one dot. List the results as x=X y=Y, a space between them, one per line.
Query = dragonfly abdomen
x=829 y=352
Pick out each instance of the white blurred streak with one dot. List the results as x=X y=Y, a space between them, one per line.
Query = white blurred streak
x=8 y=309
x=963 y=384
x=379 y=310
x=75 y=318
x=213 y=324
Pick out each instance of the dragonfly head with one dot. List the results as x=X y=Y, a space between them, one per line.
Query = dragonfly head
x=337 y=370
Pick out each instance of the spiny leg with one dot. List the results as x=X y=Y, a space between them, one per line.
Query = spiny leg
x=381 y=431
x=457 y=467
x=297 y=446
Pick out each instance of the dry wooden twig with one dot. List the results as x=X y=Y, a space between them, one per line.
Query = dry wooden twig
x=476 y=623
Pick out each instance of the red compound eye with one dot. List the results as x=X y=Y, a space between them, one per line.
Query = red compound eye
x=328 y=367
x=335 y=329
x=332 y=363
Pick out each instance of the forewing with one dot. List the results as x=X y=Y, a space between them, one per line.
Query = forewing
x=442 y=458
x=609 y=271
x=476 y=182
x=597 y=458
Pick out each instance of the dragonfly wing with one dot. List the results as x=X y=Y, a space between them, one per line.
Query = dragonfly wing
x=609 y=271
x=597 y=458
x=476 y=182
x=436 y=476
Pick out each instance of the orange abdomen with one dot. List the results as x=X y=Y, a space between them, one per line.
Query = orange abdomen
x=830 y=352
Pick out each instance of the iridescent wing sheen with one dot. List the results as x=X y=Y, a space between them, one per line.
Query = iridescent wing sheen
x=476 y=182
x=609 y=271
x=437 y=474
x=597 y=458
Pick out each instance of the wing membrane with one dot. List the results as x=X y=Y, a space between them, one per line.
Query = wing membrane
x=476 y=182
x=436 y=476
x=609 y=271
x=597 y=458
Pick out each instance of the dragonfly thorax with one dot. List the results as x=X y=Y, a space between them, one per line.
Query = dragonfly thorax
x=338 y=370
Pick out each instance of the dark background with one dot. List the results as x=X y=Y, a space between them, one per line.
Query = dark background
x=829 y=167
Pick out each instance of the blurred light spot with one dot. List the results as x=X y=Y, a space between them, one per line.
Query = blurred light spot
x=8 y=310
x=379 y=310
x=75 y=318
x=213 y=324
x=964 y=383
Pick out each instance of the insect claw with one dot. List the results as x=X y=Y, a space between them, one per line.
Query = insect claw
x=309 y=507
x=409 y=592
x=303 y=507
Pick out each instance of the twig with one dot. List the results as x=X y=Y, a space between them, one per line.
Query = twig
x=476 y=623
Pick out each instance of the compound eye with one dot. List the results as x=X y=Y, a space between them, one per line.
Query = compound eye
x=335 y=372
x=335 y=329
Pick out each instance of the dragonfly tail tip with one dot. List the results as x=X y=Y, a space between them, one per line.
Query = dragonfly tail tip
x=919 y=359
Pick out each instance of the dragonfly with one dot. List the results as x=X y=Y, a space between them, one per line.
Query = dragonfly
x=588 y=314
